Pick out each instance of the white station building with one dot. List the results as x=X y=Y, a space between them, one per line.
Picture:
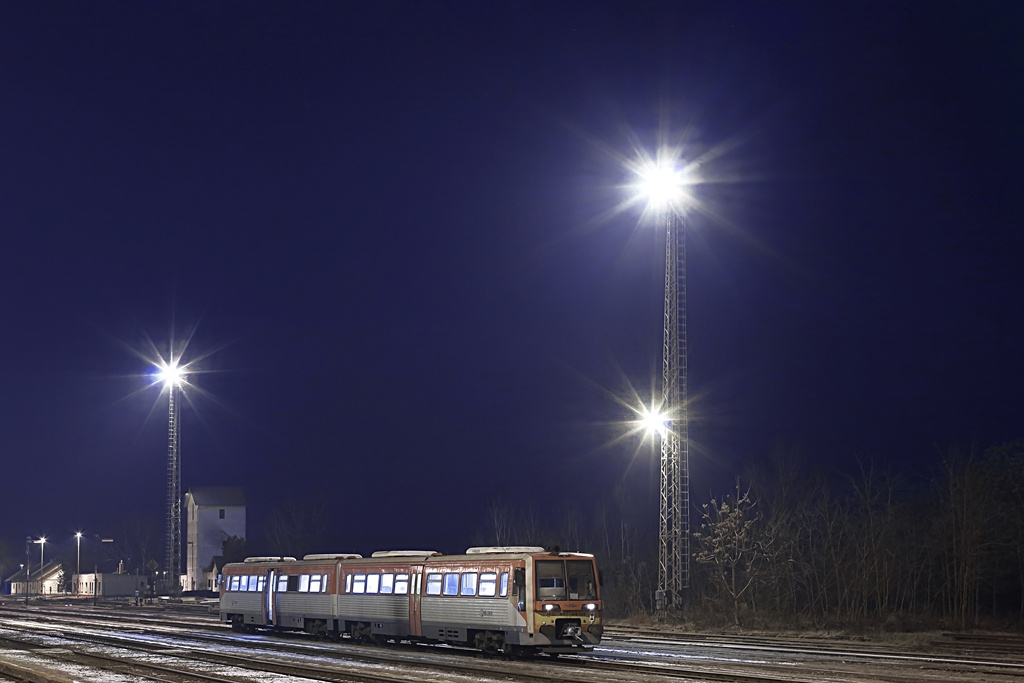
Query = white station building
x=214 y=514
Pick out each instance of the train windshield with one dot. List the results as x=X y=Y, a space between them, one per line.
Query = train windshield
x=566 y=580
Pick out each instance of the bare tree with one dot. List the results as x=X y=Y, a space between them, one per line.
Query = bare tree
x=730 y=545
x=500 y=517
x=963 y=526
x=1004 y=476
x=297 y=527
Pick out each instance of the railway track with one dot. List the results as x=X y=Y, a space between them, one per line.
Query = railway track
x=625 y=656
x=466 y=662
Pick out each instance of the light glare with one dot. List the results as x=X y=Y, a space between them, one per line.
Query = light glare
x=653 y=422
x=170 y=374
x=662 y=185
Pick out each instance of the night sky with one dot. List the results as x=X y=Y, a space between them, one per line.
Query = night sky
x=394 y=236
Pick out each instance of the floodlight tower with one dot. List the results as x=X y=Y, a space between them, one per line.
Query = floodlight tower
x=663 y=185
x=173 y=377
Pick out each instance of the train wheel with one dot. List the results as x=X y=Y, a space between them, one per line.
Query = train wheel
x=489 y=641
x=361 y=633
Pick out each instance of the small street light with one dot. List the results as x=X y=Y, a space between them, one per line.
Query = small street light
x=78 y=566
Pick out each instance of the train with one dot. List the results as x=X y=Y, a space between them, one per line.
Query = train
x=516 y=600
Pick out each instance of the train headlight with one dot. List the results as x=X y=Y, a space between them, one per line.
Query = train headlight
x=552 y=608
x=590 y=607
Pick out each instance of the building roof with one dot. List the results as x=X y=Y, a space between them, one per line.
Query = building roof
x=49 y=569
x=217 y=496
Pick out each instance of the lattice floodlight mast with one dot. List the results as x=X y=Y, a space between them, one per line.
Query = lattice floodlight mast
x=172 y=378
x=662 y=184
x=173 y=490
x=674 y=495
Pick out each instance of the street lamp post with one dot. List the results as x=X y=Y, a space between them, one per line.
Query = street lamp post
x=663 y=186
x=28 y=564
x=78 y=564
x=42 y=544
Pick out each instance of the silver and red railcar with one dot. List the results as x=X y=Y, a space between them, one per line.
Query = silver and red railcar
x=518 y=600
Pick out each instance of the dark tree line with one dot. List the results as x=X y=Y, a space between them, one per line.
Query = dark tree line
x=787 y=547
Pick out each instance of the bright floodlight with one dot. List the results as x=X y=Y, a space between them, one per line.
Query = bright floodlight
x=662 y=184
x=653 y=422
x=170 y=374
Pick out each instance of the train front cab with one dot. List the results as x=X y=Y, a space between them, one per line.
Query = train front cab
x=562 y=603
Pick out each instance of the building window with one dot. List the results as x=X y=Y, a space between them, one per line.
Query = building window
x=222 y=513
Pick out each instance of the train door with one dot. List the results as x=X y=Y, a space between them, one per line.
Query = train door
x=270 y=597
x=520 y=597
x=415 y=594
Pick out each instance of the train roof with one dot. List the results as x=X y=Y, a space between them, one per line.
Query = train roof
x=254 y=560
x=406 y=553
x=471 y=554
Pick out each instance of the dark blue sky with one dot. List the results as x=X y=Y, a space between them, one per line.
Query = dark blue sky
x=392 y=225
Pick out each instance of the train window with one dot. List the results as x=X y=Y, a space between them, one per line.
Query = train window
x=359 y=583
x=282 y=583
x=387 y=583
x=260 y=583
x=372 y=583
x=254 y=583
x=433 y=584
x=451 y=584
x=488 y=581
x=317 y=583
x=468 y=583
x=233 y=586
x=550 y=579
x=304 y=583
x=504 y=585
x=401 y=584
x=348 y=583
x=580 y=574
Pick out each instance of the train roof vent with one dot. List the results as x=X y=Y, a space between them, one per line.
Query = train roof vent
x=485 y=549
x=251 y=560
x=405 y=553
x=332 y=556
